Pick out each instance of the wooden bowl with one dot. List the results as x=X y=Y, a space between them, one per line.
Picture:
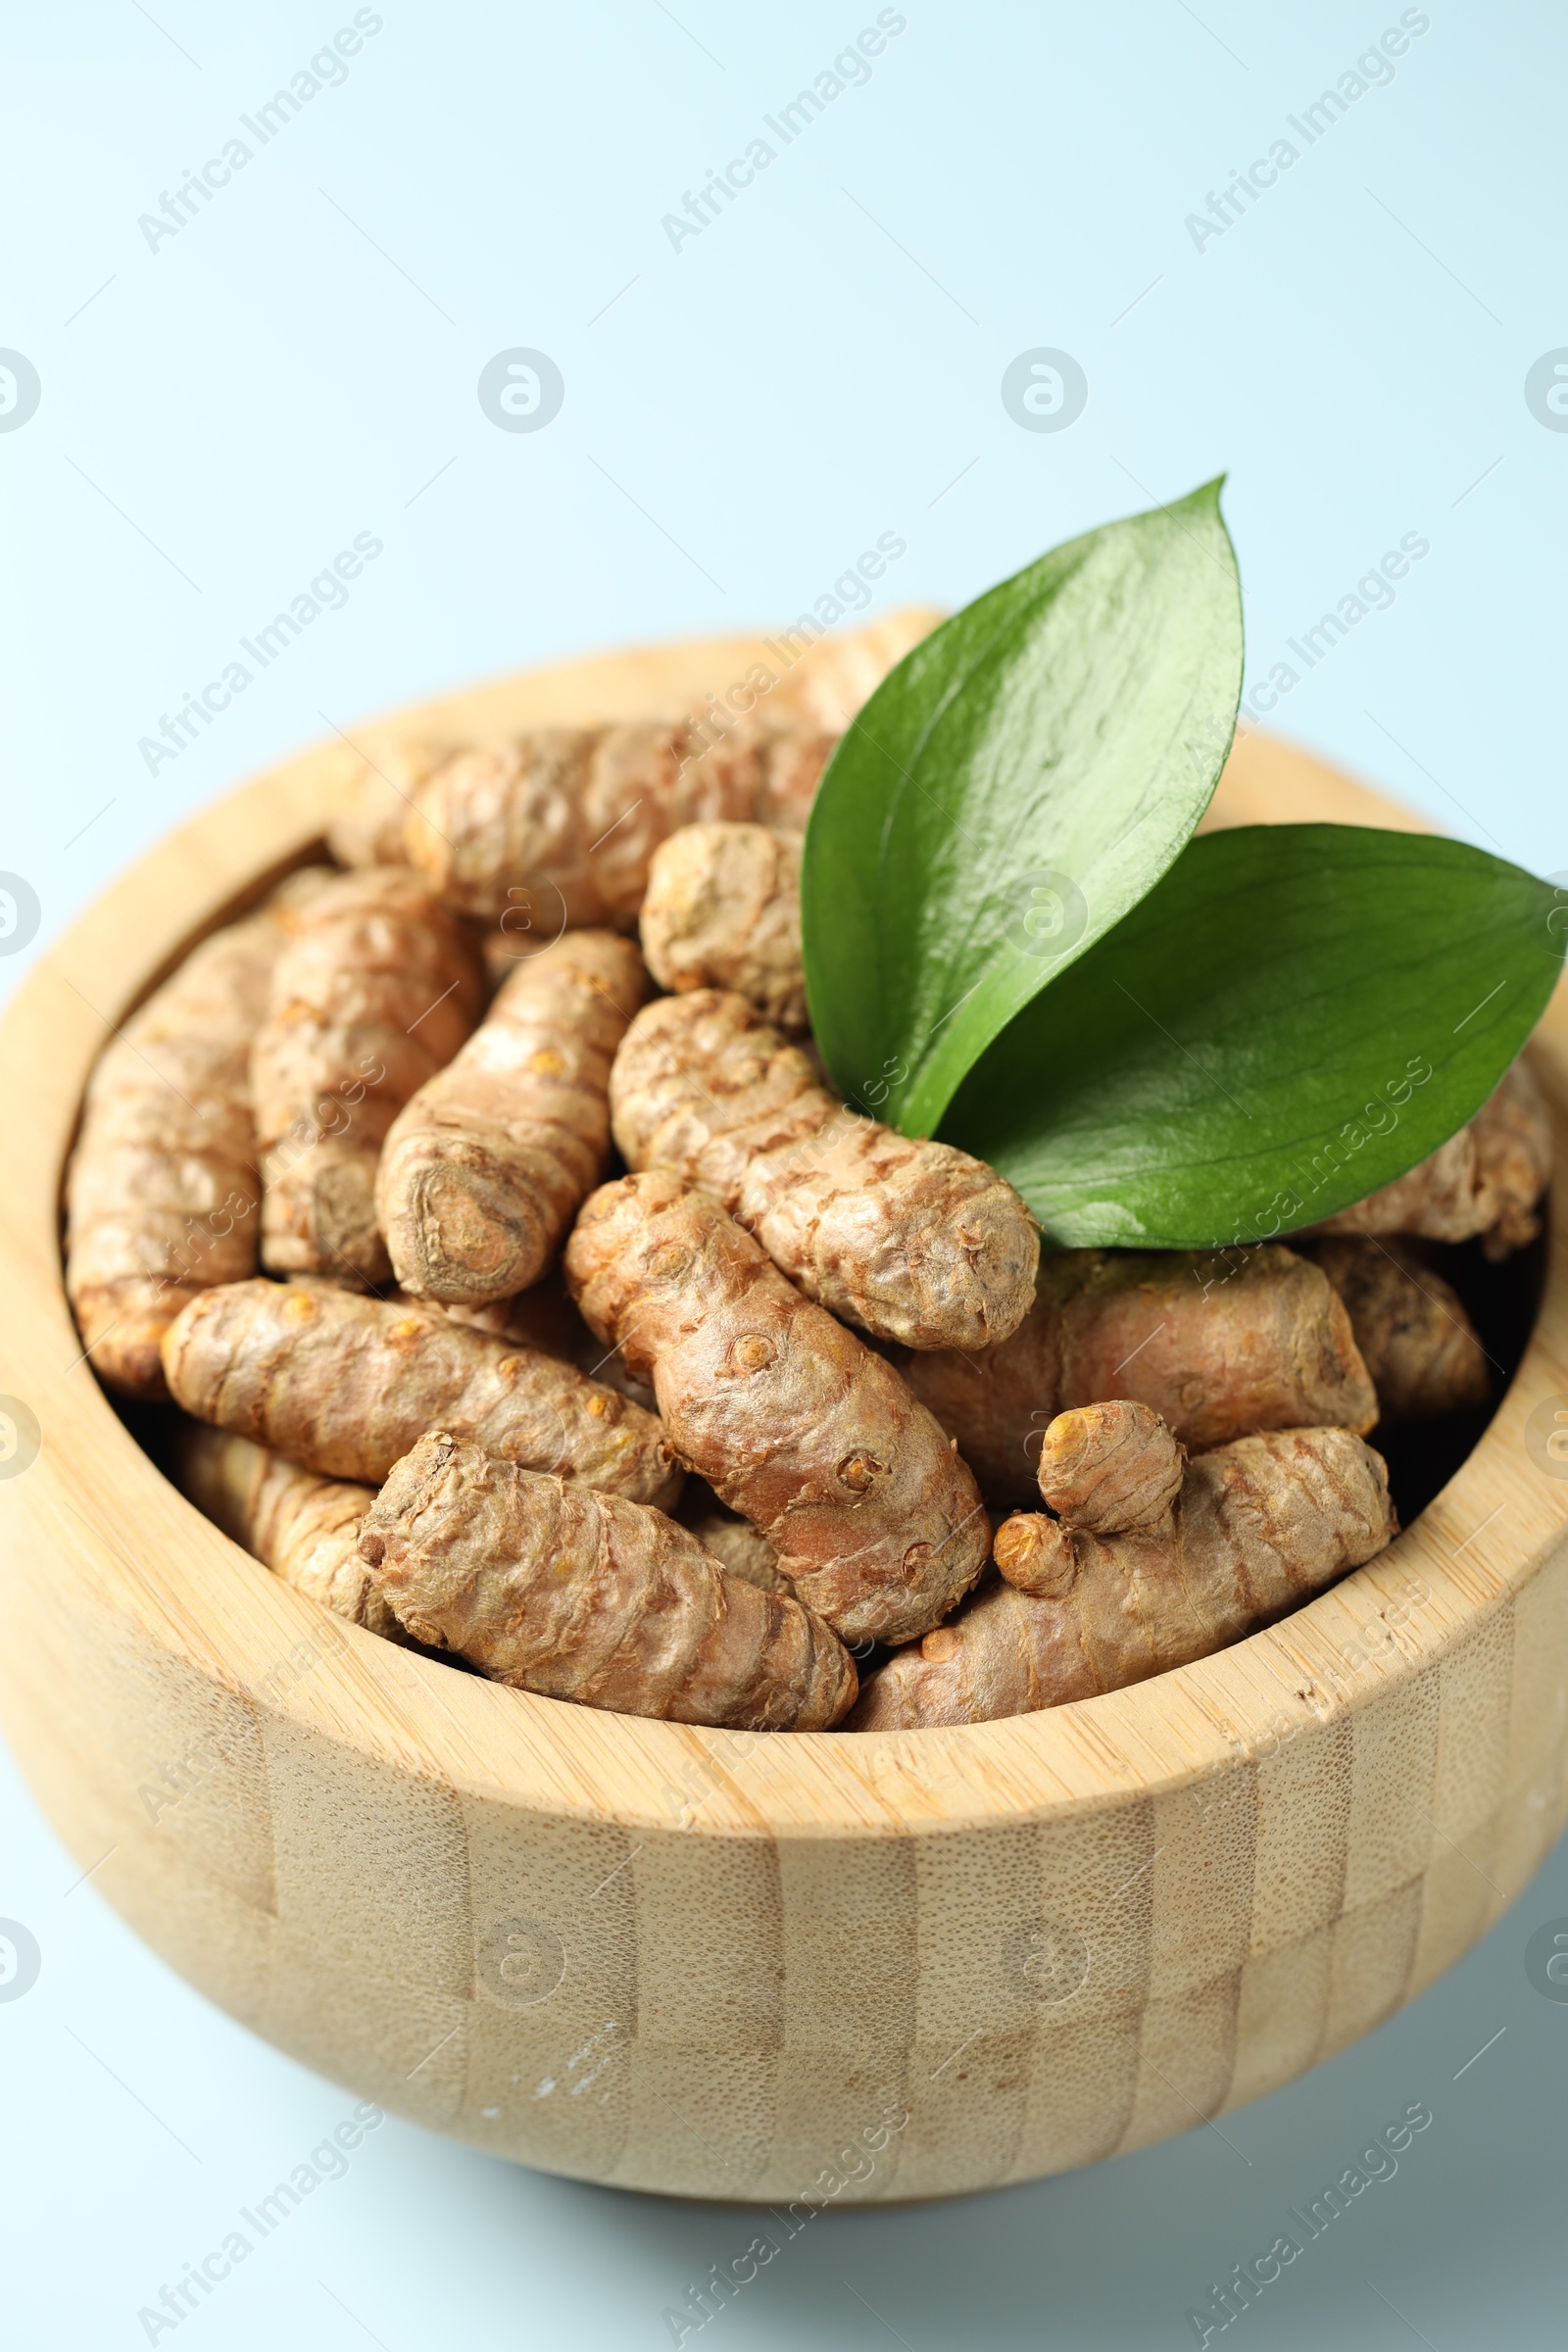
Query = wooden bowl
x=876 y=1967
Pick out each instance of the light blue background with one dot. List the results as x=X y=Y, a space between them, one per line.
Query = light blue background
x=221 y=415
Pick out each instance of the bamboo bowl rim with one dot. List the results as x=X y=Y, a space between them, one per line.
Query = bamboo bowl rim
x=94 y=1505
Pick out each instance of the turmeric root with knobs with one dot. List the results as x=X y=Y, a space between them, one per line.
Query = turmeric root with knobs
x=483 y=1169
x=723 y=910
x=793 y=1421
x=584 y=1596
x=376 y=794
x=818 y=696
x=376 y=989
x=1257 y=1527
x=565 y=820
x=345 y=1385
x=911 y=1240
x=1109 y=1468
x=162 y=1189
x=303 y=1528
x=1220 y=1342
x=1416 y=1339
x=1484 y=1180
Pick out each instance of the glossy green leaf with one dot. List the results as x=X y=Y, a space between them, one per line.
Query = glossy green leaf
x=1291 y=1017
x=1015 y=785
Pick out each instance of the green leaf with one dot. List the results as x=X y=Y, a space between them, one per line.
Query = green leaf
x=1292 y=1017
x=1015 y=785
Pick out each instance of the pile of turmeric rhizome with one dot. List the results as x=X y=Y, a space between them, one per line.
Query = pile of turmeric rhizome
x=788 y=1427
